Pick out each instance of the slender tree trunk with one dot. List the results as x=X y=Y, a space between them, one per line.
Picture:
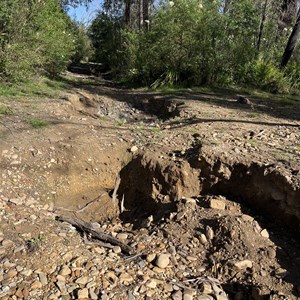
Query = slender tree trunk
x=128 y=13
x=261 y=26
x=292 y=43
x=146 y=14
x=141 y=14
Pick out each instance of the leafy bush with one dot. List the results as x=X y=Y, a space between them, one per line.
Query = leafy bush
x=35 y=37
x=265 y=76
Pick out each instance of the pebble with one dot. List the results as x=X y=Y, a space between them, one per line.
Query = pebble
x=177 y=295
x=83 y=293
x=217 y=204
x=117 y=249
x=43 y=278
x=10 y=274
x=134 y=149
x=83 y=280
x=163 y=260
x=62 y=286
x=36 y=285
x=150 y=257
x=151 y=284
x=209 y=233
x=203 y=239
x=122 y=236
x=65 y=270
x=264 y=233
x=243 y=264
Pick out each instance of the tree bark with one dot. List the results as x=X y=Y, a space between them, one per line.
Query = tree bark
x=128 y=13
x=261 y=26
x=88 y=228
x=292 y=43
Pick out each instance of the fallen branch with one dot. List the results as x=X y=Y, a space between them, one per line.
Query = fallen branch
x=97 y=234
x=101 y=244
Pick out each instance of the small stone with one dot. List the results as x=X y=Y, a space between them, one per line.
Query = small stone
x=163 y=260
x=243 y=264
x=217 y=204
x=158 y=270
x=92 y=293
x=83 y=280
x=271 y=253
x=134 y=149
x=43 y=278
x=247 y=218
x=65 y=270
x=10 y=274
x=189 y=294
x=151 y=284
x=209 y=233
x=117 y=249
x=62 y=287
x=83 y=293
x=264 y=233
x=19 y=293
x=99 y=250
x=281 y=273
x=36 y=285
x=177 y=295
x=150 y=257
x=203 y=239
x=26 y=272
x=187 y=297
x=205 y=288
x=122 y=236
x=125 y=278
x=61 y=278
x=168 y=287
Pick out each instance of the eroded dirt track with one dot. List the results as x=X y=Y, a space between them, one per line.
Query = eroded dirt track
x=203 y=188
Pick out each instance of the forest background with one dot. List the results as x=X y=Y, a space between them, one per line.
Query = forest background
x=183 y=42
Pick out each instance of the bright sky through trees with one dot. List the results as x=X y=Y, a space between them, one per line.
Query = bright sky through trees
x=85 y=14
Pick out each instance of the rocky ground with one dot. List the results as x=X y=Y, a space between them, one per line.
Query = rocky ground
x=203 y=188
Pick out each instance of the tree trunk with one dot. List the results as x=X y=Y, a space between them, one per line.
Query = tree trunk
x=261 y=26
x=128 y=13
x=141 y=14
x=146 y=14
x=292 y=43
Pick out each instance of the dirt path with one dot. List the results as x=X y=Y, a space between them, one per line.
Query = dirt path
x=209 y=195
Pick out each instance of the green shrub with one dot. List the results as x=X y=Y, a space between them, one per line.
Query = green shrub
x=265 y=76
x=35 y=37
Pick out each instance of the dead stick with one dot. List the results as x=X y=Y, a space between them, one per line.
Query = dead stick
x=97 y=234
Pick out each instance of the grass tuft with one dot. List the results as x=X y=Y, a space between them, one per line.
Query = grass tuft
x=37 y=123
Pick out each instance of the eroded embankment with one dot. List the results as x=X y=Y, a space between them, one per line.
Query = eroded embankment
x=151 y=184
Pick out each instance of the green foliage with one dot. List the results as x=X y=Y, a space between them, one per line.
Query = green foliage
x=266 y=76
x=37 y=123
x=4 y=110
x=35 y=36
x=38 y=86
x=105 y=33
x=83 y=47
x=193 y=42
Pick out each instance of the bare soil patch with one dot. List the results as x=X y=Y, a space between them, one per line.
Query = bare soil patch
x=209 y=181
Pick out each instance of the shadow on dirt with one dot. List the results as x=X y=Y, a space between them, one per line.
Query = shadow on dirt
x=166 y=106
